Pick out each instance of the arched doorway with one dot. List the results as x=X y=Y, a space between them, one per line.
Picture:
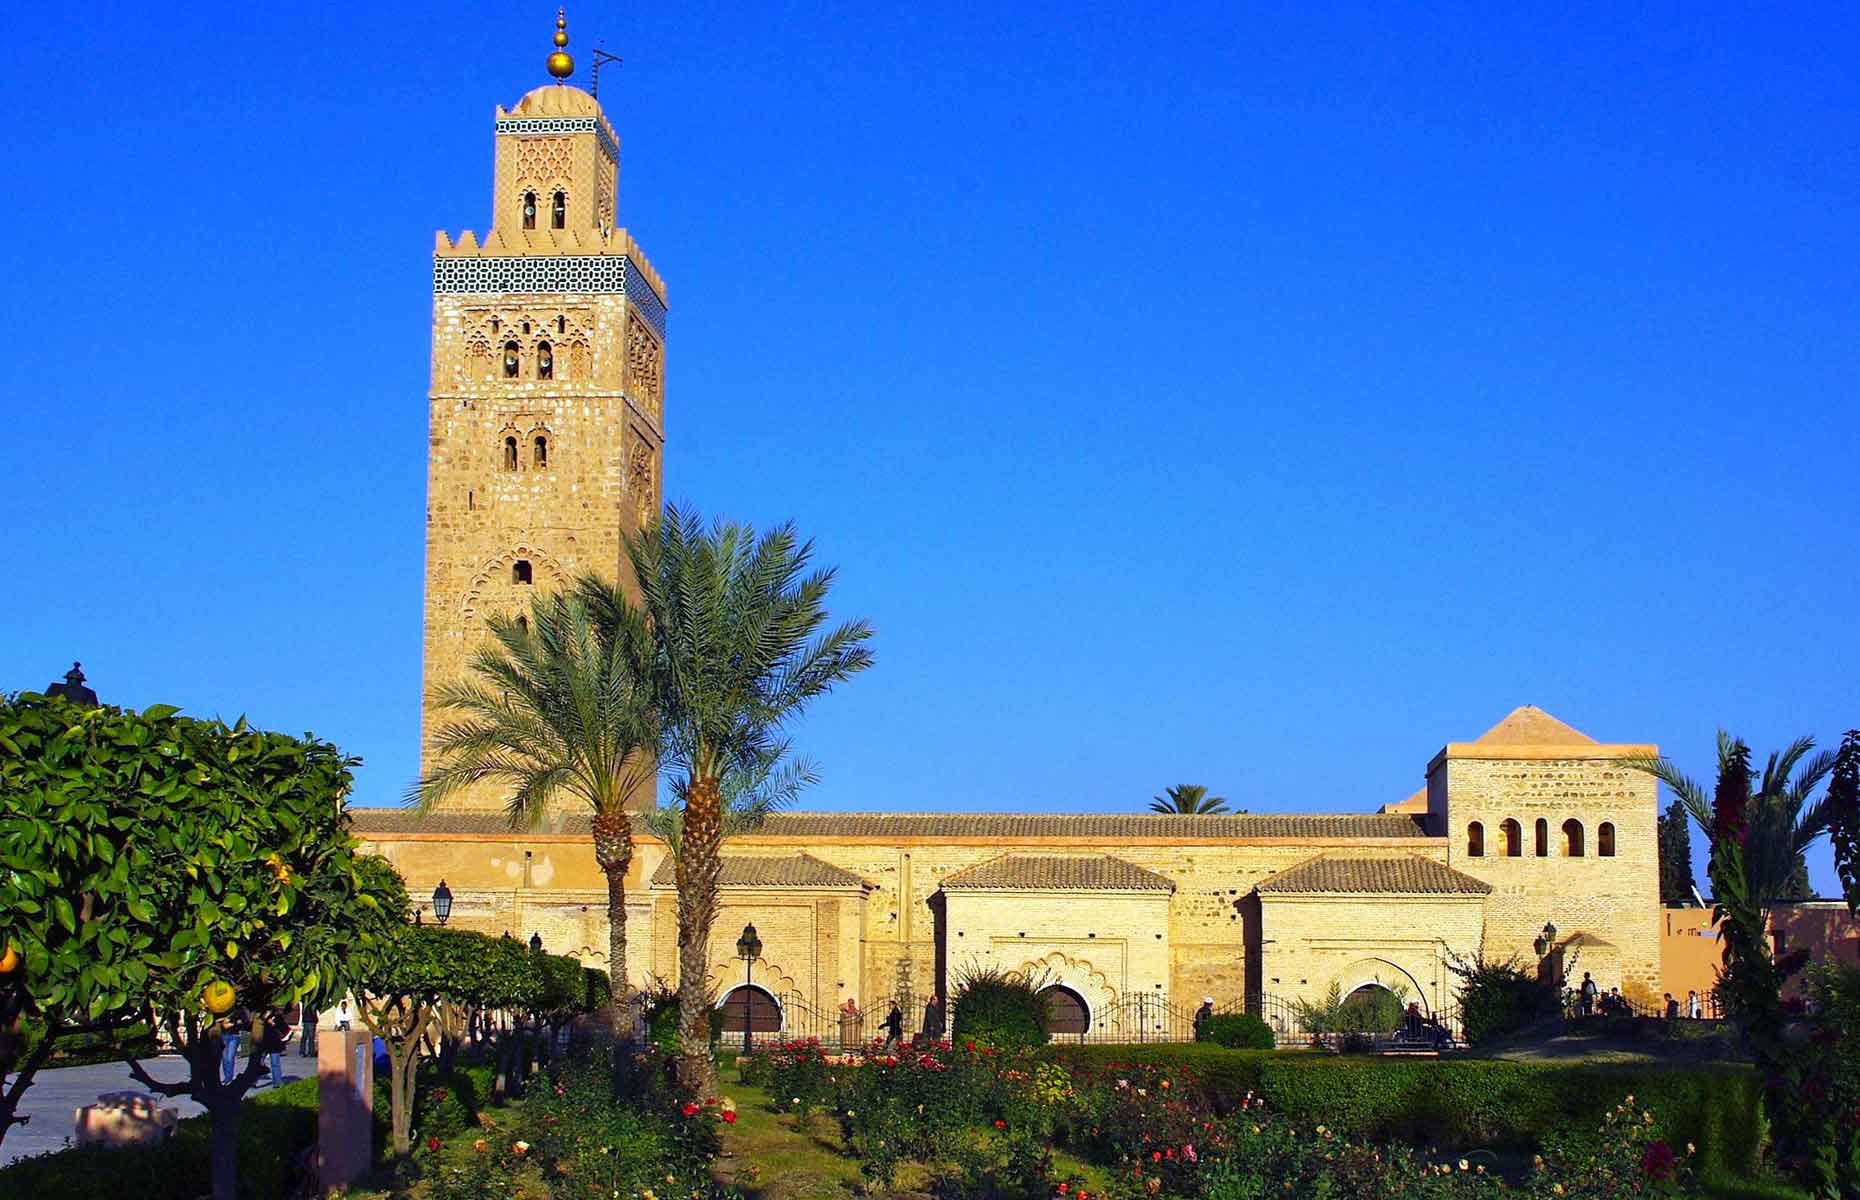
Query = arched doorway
x=751 y=1003
x=1371 y=1008
x=1066 y=1011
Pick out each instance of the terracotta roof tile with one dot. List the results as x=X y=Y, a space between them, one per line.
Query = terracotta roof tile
x=1407 y=875
x=804 y=826
x=1032 y=872
x=794 y=871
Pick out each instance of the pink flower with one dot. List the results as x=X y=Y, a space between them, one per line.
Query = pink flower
x=1657 y=1161
x=1188 y=1152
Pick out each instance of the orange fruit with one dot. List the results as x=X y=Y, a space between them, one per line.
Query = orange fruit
x=218 y=997
x=9 y=962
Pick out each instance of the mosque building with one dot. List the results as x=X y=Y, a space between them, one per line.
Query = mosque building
x=547 y=435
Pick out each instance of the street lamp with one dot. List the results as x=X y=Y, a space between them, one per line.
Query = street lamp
x=442 y=902
x=749 y=949
x=536 y=942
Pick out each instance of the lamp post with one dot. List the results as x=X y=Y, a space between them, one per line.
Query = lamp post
x=749 y=949
x=442 y=902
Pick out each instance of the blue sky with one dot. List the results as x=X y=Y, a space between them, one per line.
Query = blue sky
x=1247 y=397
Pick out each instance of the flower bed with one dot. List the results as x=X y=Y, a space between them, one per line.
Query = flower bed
x=987 y=1124
x=1465 y=1102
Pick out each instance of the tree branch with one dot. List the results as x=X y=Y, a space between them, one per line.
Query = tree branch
x=155 y=1085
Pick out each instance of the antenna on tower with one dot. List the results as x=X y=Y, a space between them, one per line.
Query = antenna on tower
x=594 y=73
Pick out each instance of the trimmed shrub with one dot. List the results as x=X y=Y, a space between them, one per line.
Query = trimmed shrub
x=1237 y=1031
x=998 y=1008
x=1467 y=1102
x=276 y=1128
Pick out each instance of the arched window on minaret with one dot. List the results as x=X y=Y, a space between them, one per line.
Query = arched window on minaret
x=510 y=453
x=513 y=359
x=545 y=361
x=1475 y=840
x=1605 y=839
x=520 y=572
x=540 y=446
x=558 y=211
x=529 y=210
x=1512 y=836
x=1543 y=838
x=1572 y=838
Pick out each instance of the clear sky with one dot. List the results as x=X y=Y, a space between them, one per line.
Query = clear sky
x=1187 y=393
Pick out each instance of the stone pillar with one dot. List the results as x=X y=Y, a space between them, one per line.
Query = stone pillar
x=345 y=1093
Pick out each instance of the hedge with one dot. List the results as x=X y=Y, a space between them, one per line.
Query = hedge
x=1470 y=1102
x=276 y=1127
x=1237 y=1031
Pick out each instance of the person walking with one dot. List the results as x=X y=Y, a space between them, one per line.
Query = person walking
x=894 y=1024
x=306 y=1044
x=1672 y=1010
x=1204 y=1018
x=1692 y=1006
x=1591 y=991
x=274 y=1037
x=933 y=1018
x=230 y=1025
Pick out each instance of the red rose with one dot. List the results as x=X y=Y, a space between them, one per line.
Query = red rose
x=1000 y=1124
x=729 y=1117
x=432 y=1143
x=690 y=1109
x=1156 y=1156
x=1063 y=1189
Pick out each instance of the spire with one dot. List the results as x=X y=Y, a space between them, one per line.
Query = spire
x=560 y=64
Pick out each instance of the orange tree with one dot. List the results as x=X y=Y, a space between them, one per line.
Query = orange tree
x=151 y=865
x=405 y=991
x=1812 y=1137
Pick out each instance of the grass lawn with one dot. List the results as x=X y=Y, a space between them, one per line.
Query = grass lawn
x=772 y=1156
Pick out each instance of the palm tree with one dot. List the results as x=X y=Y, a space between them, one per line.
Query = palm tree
x=1783 y=819
x=1188 y=799
x=561 y=707
x=738 y=651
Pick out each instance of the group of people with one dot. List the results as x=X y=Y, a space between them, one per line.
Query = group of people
x=273 y=1034
x=1592 y=1001
x=934 y=1027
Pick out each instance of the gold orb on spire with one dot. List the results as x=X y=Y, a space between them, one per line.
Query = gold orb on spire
x=560 y=64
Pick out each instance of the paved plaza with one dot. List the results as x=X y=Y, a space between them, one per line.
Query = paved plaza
x=55 y=1096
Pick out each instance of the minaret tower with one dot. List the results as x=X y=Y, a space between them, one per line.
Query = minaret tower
x=547 y=400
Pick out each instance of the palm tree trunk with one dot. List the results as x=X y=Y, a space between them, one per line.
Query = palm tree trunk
x=613 y=850
x=697 y=868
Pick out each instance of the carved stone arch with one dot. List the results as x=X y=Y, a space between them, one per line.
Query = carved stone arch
x=1078 y=974
x=771 y=977
x=548 y=575
x=1385 y=973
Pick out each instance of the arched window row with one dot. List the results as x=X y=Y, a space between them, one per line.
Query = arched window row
x=545 y=360
x=538 y=443
x=1571 y=841
x=558 y=210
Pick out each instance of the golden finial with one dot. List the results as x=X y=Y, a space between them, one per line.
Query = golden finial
x=560 y=64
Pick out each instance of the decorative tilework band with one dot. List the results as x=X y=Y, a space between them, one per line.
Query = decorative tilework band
x=558 y=126
x=601 y=274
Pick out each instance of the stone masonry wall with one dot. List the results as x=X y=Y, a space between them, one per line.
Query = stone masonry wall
x=1613 y=898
